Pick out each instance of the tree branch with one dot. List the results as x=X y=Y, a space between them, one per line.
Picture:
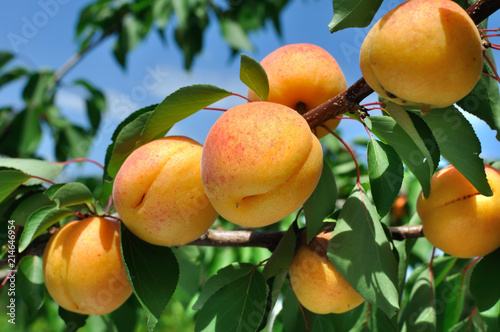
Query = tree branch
x=269 y=240
x=348 y=101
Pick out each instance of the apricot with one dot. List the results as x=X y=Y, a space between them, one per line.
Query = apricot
x=260 y=163
x=456 y=218
x=319 y=287
x=83 y=268
x=423 y=53
x=302 y=76
x=159 y=195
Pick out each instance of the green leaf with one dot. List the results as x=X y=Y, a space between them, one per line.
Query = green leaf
x=43 y=169
x=30 y=282
x=39 y=221
x=128 y=38
x=27 y=204
x=96 y=103
x=72 y=142
x=386 y=172
x=417 y=129
x=153 y=272
x=72 y=320
x=10 y=179
x=223 y=277
x=321 y=203
x=24 y=134
x=238 y=306
x=12 y=75
x=36 y=92
x=484 y=100
x=450 y=296
x=349 y=14
x=254 y=76
x=234 y=34
x=125 y=139
x=361 y=252
x=418 y=314
x=282 y=256
x=410 y=153
x=491 y=318
x=178 y=106
x=484 y=284
x=5 y=57
x=459 y=145
x=67 y=194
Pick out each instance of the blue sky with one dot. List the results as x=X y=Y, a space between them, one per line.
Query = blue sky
x=154 y=71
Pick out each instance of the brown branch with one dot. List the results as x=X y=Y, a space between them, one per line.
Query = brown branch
x=269 y=240
x=482 y=9
x=348 y=101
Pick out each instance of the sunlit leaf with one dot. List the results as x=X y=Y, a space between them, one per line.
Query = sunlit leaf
x=254 y=76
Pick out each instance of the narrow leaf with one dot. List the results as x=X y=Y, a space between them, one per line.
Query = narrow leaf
x=282 y=256
x=418 y=314
x=39 y=222
x=361 y=252
x=153 y=272
x=238 y=306
x=484 y=284
x=254 y=76
x=484 y=100
x=10 y=179
x=223 y=277
x=43 y=169
x=67 y=194
x=391 y=133
x=72 y=320
x=459 y=145
x=385 y=170
x=350 y=14
x=30 y=282
x=178 y=106
x=234 y=34
x=419 y=132
x=321 y=203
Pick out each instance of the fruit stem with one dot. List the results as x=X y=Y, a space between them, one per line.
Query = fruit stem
x=431 y=274
x=43 y=179
x=215 y=109
x=492 y=66
x=471 y=316
x=79 y=160
x=241 y=96
x=493 y=35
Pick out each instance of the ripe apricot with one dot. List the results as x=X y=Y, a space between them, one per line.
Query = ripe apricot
x=456 y=218
x=302 y=76
x=159 y=195
x=260 y=163
x=423 y=53
x=319 y=287
x=83 y=268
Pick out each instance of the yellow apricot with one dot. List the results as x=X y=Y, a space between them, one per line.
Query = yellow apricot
x=260 y=163
x=159 y=195
x=456 y=218
x=83 y=268
x=302 y=76
x=423 y=53
x=319 y=287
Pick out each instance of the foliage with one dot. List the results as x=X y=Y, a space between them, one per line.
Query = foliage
x=406 y=284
